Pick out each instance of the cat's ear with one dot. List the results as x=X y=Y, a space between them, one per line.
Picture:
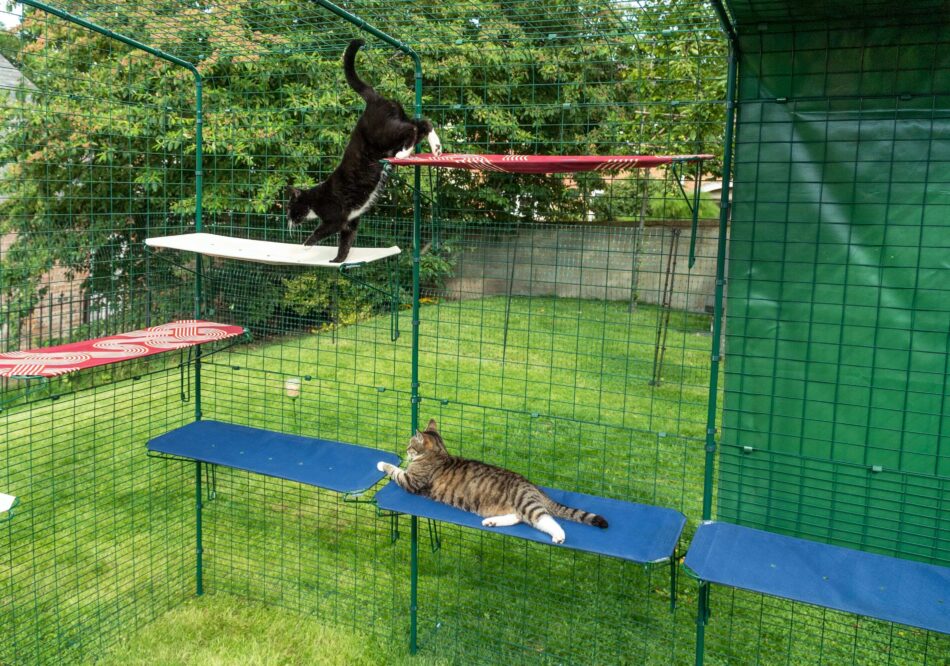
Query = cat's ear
x=433 y=426
x=292 y=192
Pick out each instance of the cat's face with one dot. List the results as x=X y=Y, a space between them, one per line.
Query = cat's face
x=425 y=442
x=298 y=210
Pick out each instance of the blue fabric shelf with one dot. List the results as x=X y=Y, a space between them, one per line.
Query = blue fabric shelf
x=844 y=579
x=637 y=532
x=344 y=468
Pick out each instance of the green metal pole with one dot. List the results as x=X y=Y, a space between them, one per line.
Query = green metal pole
x=720 y=283
x=72 y=18
x=726 y=23
x=724 y=212
x=199 y=549
x=413 y=584
x=697 y=184
x=416 y=259
x=199 y=182
x=375 y=32
x=416 y=263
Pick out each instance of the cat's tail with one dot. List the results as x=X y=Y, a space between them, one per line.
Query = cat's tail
x=362 y=88
x=576 y=515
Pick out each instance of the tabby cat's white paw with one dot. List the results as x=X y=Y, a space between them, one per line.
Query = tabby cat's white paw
x=383 y=467
x=504 y=520
x=558 y=538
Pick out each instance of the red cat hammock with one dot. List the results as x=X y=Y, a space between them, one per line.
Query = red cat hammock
x=544 y=163
x=55 y=361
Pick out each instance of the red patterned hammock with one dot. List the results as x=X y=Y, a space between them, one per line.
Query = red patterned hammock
x=544 y=163
x=59 y=360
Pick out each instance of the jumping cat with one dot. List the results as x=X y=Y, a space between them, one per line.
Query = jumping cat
x=503 y=497
x=384 y=130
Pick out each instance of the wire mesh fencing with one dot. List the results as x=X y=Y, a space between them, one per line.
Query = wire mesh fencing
x=562 y=332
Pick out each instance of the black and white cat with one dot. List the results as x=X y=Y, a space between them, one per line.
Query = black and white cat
x=384 y=130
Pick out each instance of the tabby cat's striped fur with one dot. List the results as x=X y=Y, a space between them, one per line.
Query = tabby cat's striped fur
x=503 y=497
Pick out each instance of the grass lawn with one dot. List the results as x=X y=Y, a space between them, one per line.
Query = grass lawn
x=223 y=630
x=103 y=550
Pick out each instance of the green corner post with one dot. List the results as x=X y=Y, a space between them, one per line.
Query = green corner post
x=199 y=181
x=416 y=259
x=66 y=16
x=703 y=607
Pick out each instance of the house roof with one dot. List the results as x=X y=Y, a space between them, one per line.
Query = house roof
x=11 y=77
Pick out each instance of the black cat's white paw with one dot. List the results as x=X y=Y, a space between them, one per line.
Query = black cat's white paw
x=434 y=143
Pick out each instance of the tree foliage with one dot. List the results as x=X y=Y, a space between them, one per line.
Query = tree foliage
x=101 y=154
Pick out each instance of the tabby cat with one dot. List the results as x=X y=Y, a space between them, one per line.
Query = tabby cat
x=384 y=130
x=503 y=497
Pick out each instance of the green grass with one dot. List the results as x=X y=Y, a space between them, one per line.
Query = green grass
x=223 y=630
x=103 y=547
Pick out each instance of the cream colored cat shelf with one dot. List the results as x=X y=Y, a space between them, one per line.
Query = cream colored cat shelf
x=268 y=252
x=291 y=254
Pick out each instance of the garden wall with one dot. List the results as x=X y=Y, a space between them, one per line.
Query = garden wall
x=583 y=261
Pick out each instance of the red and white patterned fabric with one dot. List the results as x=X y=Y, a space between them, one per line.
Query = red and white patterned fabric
x=544 y=163
x=62 y=359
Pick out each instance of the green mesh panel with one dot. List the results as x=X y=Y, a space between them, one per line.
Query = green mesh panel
x=837 y=316
x=838 y=307
x=561 y=333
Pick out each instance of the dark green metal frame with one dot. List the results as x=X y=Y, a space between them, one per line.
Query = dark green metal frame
x=34 y=385
x=198 y=272
x=415 y=398
x=416 y=259
x=692 y=202
x=158 y=53
x=392 y=292
x=703 y=610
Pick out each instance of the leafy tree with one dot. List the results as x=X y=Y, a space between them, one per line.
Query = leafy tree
x=102 y=154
